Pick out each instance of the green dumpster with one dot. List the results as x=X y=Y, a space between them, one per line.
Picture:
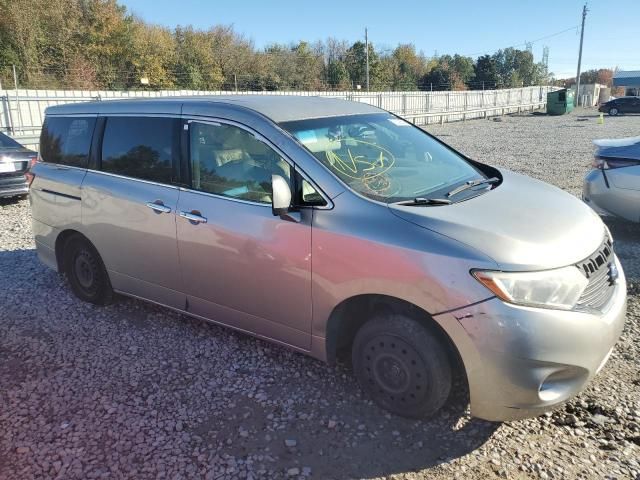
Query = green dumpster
x=559 y=102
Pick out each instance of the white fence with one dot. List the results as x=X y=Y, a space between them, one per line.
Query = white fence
x=22 y=111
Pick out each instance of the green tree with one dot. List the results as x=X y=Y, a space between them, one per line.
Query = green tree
x=486 y=72
x=152 y=56
x=407 y=67
x=516 y=68
x=336 y=73
x=195 y=64
x=98 y=44
x=449 y=72
x=356 y=63
x=308 y=67
x=107 y=42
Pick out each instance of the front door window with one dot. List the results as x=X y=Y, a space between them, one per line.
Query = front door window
x=229 y=161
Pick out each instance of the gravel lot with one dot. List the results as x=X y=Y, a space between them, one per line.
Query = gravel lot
x=137 y=391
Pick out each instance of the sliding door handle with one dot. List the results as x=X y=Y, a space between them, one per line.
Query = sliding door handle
x=193 y=216
x=158 y=207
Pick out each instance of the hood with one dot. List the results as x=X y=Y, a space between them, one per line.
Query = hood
x=523 y=224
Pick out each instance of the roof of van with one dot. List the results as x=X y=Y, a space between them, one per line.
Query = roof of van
x=279 y=108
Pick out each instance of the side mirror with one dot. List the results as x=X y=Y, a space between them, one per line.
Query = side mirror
x=280 y=196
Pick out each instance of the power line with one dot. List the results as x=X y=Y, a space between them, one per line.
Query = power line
x=524 y=44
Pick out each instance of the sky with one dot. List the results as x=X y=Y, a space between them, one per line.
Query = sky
x=472 y=28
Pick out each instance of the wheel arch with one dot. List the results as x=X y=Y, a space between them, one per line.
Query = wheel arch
x=61 y=241
x=350 y=314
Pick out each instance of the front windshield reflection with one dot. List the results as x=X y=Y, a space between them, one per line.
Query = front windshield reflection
x=382 y=156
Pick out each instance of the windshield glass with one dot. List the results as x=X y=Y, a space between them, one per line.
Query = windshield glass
x=6 y=142
x=382 y=156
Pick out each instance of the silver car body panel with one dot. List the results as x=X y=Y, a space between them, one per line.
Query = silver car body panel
x=541 y=227
x=515 y=349
x=617 y=195
x=282 y=278
x=243 y=259
x=359 y=247
x=137 y=244
x=55 y=199
x=277 y=108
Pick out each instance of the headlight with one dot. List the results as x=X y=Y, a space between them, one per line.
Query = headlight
x=560 y=288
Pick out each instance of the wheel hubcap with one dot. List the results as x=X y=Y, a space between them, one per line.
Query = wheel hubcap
x=84 y=270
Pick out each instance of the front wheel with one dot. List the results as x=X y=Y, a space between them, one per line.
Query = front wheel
x=613 y=111
x=402 y=365
x=85 y=271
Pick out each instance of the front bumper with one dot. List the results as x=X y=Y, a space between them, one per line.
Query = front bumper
x=522 y=362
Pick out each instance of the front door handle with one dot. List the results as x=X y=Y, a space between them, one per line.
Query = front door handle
x=193 y=217
x=158 y=207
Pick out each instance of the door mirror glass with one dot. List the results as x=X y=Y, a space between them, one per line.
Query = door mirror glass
x=281 y=196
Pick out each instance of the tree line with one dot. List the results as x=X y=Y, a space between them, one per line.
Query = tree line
x=98 y=44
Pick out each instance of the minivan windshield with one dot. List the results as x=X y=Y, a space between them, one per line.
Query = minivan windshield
x=383 y=157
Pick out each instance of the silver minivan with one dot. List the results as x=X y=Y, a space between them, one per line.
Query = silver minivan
x=341 y=231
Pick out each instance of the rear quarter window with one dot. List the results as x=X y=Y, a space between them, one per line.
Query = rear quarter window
x=67 y=140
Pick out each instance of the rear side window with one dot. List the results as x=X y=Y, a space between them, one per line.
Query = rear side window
x=66 y=140
x=141 y=147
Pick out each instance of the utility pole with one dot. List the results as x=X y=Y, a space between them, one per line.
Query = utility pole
x=15 y=79
x=15 y=85
x=366 y=47
x=584 y=16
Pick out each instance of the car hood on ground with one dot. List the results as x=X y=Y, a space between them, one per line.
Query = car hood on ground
x=523 y=224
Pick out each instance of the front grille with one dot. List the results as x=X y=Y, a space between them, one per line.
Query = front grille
x=597 y=269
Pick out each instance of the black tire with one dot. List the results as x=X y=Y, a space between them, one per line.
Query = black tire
x=403 y=366
x=85 y=271
x=613 y=111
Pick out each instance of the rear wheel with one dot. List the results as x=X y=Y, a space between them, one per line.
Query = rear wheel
x=402 y=366
x=613 y=111
x=85 y=271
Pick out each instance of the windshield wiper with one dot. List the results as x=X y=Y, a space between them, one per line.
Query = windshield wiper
x=424 y=201
x=471 y=184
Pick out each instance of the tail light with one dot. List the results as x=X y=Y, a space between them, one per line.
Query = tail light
x=611 y=163
x=29 y=175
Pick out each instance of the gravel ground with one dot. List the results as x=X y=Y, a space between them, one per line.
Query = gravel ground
x=137 y=391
